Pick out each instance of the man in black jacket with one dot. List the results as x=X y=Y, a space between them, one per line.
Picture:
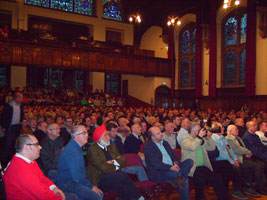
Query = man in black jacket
x=52 y=145
x=10 y=121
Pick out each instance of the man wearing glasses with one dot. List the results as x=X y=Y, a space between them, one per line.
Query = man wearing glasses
x=71 y=175
x=24 y=179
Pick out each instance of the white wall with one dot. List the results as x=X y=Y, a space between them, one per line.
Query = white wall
x=143 y=88
x=97 y=79
x=18 y=77
x=152 y=40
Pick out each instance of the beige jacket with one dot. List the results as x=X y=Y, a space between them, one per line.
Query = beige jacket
x=189 y=147
x=237 y=148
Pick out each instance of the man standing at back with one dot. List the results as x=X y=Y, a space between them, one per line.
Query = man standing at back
x=10 y=121
x=71 y=175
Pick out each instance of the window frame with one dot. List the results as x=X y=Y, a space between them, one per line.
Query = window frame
x=237 y=48
x=190 y=56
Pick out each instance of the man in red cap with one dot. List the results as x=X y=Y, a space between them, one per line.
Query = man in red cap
x=105 y=163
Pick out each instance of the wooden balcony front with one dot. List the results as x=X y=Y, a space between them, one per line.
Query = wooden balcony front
x=33 y=53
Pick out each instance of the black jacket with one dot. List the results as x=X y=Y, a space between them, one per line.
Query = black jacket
x=7 y=113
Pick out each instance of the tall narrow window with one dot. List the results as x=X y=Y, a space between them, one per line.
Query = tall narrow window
x=66 y=5
x=43 y=3
x=234 y=29
x=113 y=83
x=86 y=7
x=112 y=9
x=187 y=51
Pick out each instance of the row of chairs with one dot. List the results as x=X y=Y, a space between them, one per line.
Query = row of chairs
x=148 y=189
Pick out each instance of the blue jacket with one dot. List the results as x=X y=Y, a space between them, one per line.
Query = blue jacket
x=71 y=166
x=154 y=160
x=253 y=143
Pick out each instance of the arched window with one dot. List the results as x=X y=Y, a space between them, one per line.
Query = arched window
x=112 y=9
x=234 y=29
x=86 y=7
x=187 y=60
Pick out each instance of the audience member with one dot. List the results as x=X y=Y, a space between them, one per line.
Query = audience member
x=246 y=163
x=10 y=122
x=65 y=131
x=163 y=165
x=52 y=146
x=104 y=164
x=185 y=124
x=195 y=146
x=226 y=161
x=169 y=135
x=253 y=142
x=40 y=133
x=71 y=175
x=24 y=179
x=262 y=132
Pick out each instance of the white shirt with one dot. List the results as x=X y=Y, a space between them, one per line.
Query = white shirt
x=262 y=137
x=182 y=132
x=117 y=165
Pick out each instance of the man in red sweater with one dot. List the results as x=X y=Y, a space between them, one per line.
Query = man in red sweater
x=23 y=178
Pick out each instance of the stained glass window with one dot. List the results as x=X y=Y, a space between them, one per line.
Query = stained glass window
x=112 y=10
x=66 y=5
x=242 y=71
x=243 y=28
x=43 y=3
x=230 y=72
x=230 y=31
x=193 y=72
x=234 y=49
x=194 y=41
x=185 y=45
x=86 y=7
x=187 y=51
x=184 y=73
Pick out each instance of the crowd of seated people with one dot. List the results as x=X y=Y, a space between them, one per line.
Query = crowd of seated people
x=66 y=97
x=208 y=139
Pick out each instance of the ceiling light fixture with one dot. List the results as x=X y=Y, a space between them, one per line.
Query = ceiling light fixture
x=228 y=3
x=173 y=20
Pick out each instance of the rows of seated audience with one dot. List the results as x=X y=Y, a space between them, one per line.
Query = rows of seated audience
x=66 y=97
x=82 y=151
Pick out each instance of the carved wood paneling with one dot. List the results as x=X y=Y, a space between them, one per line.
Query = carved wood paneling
x=25 y=53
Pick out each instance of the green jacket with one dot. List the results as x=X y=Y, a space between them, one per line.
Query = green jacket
x=97 y=163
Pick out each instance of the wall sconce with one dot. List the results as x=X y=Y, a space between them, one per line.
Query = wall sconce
x=172 y=21
x=135 y=18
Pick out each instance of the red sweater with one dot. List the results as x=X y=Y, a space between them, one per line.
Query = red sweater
x=26 y=181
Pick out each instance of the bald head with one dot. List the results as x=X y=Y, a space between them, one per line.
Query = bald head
x=251 y=126
x=185 y=123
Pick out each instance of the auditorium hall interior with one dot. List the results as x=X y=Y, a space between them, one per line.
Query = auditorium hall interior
x=138 y=64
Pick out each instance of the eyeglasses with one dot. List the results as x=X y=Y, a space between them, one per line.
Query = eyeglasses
x=34 y=144
x=82 y=133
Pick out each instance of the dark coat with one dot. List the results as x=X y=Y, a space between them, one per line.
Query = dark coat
x=49 y=153
x=132 y=144
x=154 y=160
x=118 y=144
x=6 y=115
